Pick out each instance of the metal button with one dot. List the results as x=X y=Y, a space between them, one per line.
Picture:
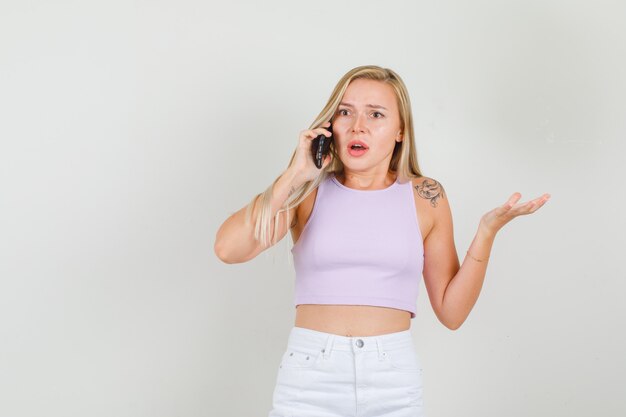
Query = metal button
x=359 y=343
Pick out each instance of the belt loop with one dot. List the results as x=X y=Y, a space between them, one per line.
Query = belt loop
x=381 y=350
x=329 y=345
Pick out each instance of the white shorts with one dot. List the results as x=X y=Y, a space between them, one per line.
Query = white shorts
x=328 y=375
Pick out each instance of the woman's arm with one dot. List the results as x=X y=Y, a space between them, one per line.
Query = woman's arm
x=453 y=290
x=234 y=240
x=463 y=289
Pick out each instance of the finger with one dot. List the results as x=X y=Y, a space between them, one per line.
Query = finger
x=538 y=204
x=530 y=207
x=534 y=205
x=541 y=199
x=323 y=131
x=515 y=197
x=314 y=133
x=522 y=208
x=506 y=207
x=544 y=198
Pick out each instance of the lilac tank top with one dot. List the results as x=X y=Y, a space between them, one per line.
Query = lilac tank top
x=360 y=247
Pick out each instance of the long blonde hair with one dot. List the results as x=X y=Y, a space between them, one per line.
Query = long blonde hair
x=403 y=160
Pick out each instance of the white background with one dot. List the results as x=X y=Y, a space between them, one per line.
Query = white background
x=131 y=130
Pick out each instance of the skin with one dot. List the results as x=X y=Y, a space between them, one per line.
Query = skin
x=378 y=128
x=452 y=288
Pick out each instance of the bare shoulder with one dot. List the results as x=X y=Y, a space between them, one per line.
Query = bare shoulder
x=429 y=189
x=430 y=201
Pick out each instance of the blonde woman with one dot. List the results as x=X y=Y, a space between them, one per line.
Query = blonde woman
x=366 y=227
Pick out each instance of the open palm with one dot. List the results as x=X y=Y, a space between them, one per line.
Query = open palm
x=498 y=217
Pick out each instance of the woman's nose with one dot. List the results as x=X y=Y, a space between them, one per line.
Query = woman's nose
x=358 y=124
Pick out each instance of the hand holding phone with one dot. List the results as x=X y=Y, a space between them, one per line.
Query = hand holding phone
x=312 y=153
x=320 y=147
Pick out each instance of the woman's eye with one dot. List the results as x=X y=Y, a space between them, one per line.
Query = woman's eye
x=375 y=113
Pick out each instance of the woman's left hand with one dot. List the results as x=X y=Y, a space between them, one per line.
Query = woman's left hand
x=493 y=221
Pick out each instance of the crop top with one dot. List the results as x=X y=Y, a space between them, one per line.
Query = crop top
x=360 y=247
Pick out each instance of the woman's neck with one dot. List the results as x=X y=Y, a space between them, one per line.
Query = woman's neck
x=361 y=182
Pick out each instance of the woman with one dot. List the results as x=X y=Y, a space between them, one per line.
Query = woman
x=365 y=227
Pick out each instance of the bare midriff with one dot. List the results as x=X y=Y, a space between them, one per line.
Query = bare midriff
x=352 y=320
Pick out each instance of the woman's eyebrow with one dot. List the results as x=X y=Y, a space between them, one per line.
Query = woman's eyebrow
x=373 y=106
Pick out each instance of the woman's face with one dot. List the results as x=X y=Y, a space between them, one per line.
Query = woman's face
x=368 y=113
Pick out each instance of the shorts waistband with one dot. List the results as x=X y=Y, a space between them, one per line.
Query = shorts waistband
x=309 y=338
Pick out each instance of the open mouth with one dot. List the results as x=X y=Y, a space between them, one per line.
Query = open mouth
x=357 y=144
x=357 y=149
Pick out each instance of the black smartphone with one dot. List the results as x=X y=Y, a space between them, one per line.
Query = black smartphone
x=320 y=147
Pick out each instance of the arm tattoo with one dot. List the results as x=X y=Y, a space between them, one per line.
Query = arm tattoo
x=431 y=190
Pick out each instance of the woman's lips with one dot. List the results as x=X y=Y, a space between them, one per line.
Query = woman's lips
x=357 y=152
x=357 y=142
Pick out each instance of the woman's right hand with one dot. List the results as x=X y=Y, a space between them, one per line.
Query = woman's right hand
x=303 y=164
